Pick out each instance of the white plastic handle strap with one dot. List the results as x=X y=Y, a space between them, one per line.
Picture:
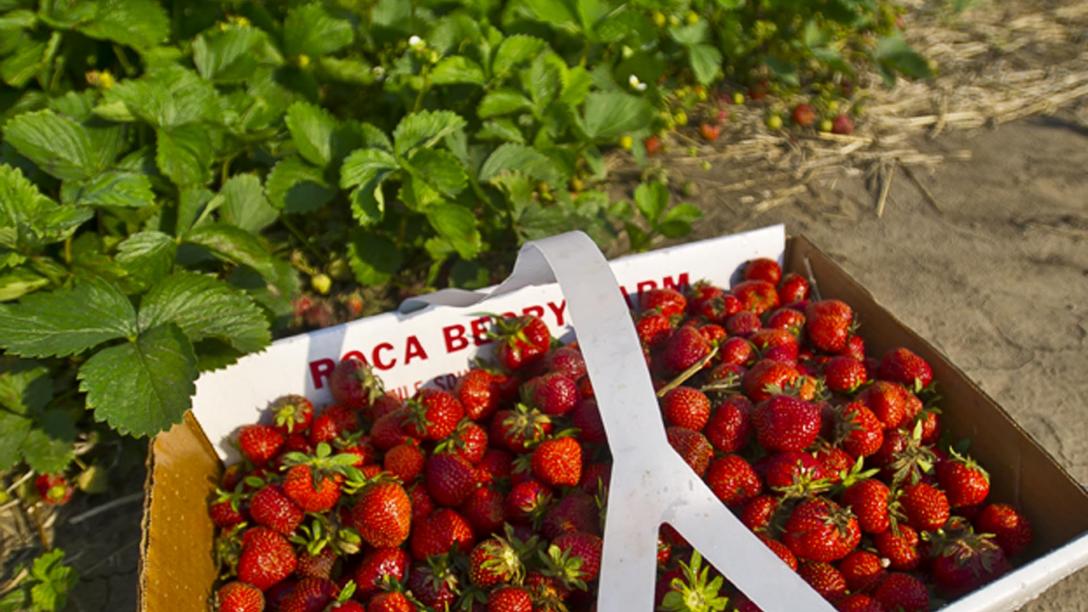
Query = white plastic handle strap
x=650 y=483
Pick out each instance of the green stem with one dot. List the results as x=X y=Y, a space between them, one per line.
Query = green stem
x=127 y=66
x=688 y=373
x=297 y=233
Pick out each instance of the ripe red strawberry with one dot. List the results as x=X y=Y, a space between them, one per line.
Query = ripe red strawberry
x=439 y=533
x=522 y=340
x=653 y=328
x=868 y=500
x=828 y=324
x=405 y=461
x=469 y=441
x=484 y=510
x=855 y=347
x=382 y=514
x=743 y=324
x=665 y=300
x=777 y=344
x=781 y=550
x=735 y=351
x=766 y=374
x=358 y=445
x=558 y=462
x=803 y=115
x=861 y=569
x=844 y=374
x=788 y=319
x=733 y=480
x=712 y=303
x=390 y=601
x=692 y=446
x=900 y=549
x=584 y=546
x=271 y=508
x=311 y=488
x=566 y=360
x=388 y=431
x=527 y=499
x=1012 y=530
x=709 y=131
x=587 y=418
x=259 y=443
x=858 y=429
x=292 y=413
x=888 y=401
x=824 y=579
x=653 y=145
x=684 y=348
x=225 y=511
x=763 y=269
x=730 y=428
x=793 y=288
x=757 y=296
x=378 y=564
x=494 y=561
x=433 y=414
x=899 y=591
x=385 y=404
x=477 y=393
x=858 y=602
x=713 y=332
x=686 y=407
x=310 y=595
x=519 y=429
x=353 y=384
x=819 y=530
x=267 y=558
x=931 y=426
x=449 y=478
x=784 y=423
x=575 y=511
x=510 y=599
x=903 y=366
x=553 y=393
x=842 y=124
x=317 y=565
x=758 y=512
x=965 y=563
x=925 y=505
x=435 y=583
x=334 y=421
x=963 y=481
x=793 y=468
x=595 y=478
x=240 y=597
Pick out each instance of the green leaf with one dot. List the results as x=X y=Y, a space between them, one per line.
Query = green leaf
x=185 y=154
x=137 y=23
x=500 y=129
x=27 y=61
x=894 y=54
x=52 y=581
x=706 y=62
x=234 y=244
x=557 y=13
x=29 y=220
x=457 y=69
x=347 y=70
x=439 y=169
x=297 y=187
x=576 y=86
x=456 y=224
x=515 y=50
x=25 y=386
x=147 y=256
x=424 y=129
x=311 y=30
x=205 y=307
x=143 y=387
x=543 y=80
x=651 y=200
x=241 y=202
x=502 y=102
x=676 y=223
x=110 y=188
x=519 y=158
x=368 y=202
x=169 y=96
x=48 y=446
x=609 y=115
x=13 y=432
x=55 y=143
x=227 y=55
x=17 y=282
x=66 y=322
x=373 y=258
x=311 y=130
x=365 y=166
x=689 y=35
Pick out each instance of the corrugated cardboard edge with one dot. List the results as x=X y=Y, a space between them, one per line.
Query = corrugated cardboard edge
x=181 y=475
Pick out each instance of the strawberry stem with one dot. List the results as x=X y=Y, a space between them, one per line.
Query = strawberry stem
x=688 y=373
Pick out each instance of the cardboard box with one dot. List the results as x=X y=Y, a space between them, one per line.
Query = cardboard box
x=177 y=566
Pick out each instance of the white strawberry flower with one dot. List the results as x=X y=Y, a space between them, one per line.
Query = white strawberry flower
x=416 y=42
x=635 y=83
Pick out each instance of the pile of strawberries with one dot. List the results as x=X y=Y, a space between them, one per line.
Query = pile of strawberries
x=492 y=496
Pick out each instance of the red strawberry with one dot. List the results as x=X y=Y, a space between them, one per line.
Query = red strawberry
x=926 y=506
x=292 y=413
x=668 y=302
x=964 y=564
x=376 y=565
x=735 y=351
x=433 y=414
x=484 y=510
x=259 y=443
x=902 y=592
x=225 y=511
x=784 y=423
x=388 y=431
x=1011 y=529
x=855 y=347
x=435 y=583
x=789 y=319
x=858 y=602
x=357 y=445
x=449 y=478
x=566 y=360
x=828 y=324
x=684 y=348
x=843 y=374
x=709 y=131
x=575 y=511
x=494 y=561
x=733 y=480
x=819 y=530
x=859 y=431
x=861 y=569
x=757 y=296
x=271 y=508
x=963 y=481
x=803 y=115
x=353 y=384
x=713 y=332
x=793 y=468
x=334 y=421
x=834 y=460
x=54 y=489
x=496 y=465
x=553 y=393
x=653 y=145
x=584 y=546
x=519 y=429
x=767 y=374
x=310 y=595
x=311 y=488
x=510 y=599
x=469 y=441
x=439 y=533
x=888 y=401
x=712 y=303
x=743 y=324
x=903 y=366
x=558 y=462
x=729 y=428
x=477 y=394
x=868 y=500
x=267 y=558
x=793 y=288
x=405 y=461
x=390 y=601
x=900 y=549
x=931 y=426
x=824 y=579
x=777 y=344
x=842 y=124
x=317 y=565
x=653 y=328
x=692 y=447
x=240 y=597
x=587 y=418
x=382 y=514
x=781 y=550
x=686 y=407
x=522 y=340
x=595 y=477
x=763 y=269
x=527 y=499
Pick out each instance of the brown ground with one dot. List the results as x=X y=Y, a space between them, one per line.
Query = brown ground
x=998 y=279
